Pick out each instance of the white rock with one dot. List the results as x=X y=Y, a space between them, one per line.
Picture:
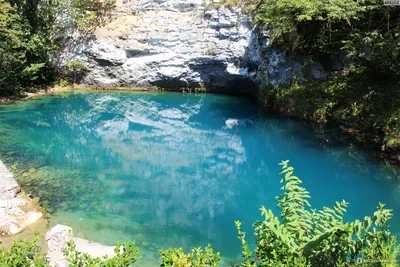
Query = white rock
x=13 y=205
x=57 y=240
x=93 y=249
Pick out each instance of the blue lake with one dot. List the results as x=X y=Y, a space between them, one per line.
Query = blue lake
x=172 y=169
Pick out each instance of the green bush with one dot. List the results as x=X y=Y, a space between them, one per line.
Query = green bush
x=63 y=82
x=22 y=253
x=302 y=236
x=354 y=100
x=76 y=70
x=196 y=258
x=26 y=253
x=30 y=31
x=126 y=255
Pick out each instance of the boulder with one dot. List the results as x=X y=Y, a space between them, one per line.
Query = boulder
x=57 y=241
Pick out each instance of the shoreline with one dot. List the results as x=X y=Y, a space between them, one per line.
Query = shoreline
x=17 y=209
x=21 y=218
x=110 y=88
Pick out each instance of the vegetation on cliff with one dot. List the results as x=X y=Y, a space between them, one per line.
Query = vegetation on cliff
x=363 y=95
x=30 y=30
x=299 y=236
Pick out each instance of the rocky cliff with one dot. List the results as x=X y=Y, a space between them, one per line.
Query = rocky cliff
x=183 y=44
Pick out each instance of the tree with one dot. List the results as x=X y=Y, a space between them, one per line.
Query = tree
x=30 y=32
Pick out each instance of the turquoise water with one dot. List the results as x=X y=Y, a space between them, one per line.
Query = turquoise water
x=170 y=169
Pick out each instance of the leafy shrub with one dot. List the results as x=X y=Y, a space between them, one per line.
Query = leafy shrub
x=22 y=253
x=31 y=31
x=76 y=70
x=303 y=236
x=63 y=82
x=26 y=253
x=126 y=254
x=354 y=100
x=196 y=258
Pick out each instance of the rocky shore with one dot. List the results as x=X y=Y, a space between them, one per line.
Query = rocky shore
x=18 y=211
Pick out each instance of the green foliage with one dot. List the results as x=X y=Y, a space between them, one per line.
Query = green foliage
x=367 y=29
x=12 y=36
x=23 y=253
x=126 y=254
x=76 y=69
x=196 y=258
x=354 y=99
x=63 y=82
x=34 y=71
x=27 y=253
x=76 y=66
x=303 y=236
x=246 y=252
x=30 y=31
x=90 y=14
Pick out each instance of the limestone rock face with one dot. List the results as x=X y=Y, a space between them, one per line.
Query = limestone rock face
x=169 y=44
x=57 y=240
x=16 y=209
x=267 y=65
x=177 y=44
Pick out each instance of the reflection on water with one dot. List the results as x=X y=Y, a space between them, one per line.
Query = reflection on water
x=169 y=169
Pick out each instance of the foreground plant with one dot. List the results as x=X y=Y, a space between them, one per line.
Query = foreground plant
x=196 y=258
x=125 y=255
x=303 y=236
x=26 y=253
x=23 y=253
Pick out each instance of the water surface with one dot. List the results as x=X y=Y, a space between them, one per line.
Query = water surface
x=170 y=170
